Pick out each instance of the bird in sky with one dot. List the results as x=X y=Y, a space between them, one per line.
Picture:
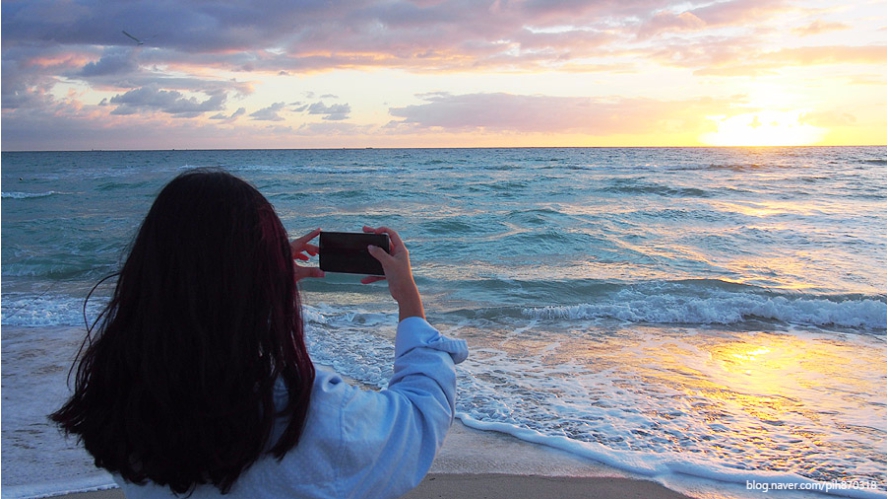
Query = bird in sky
x=140 y=42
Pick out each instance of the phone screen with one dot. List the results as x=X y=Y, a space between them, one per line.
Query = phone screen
x=346 y=252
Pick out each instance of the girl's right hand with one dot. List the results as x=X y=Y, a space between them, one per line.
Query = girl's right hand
x=398 y=273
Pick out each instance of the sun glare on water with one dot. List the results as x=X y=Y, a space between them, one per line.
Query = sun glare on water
x=765 y=128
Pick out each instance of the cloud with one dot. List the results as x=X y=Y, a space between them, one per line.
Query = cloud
x=713 y=16
x=152 y=98
x=30 y=72
x=502 y=112
x=270 y=113
x=193 y=48
x=663 y=22
x=336 y=112
x=446 y=35
x=50 y=129
x=115 y=61
x=741 y=12
x=817 y=27
x=327 y=129
x=828 y=119
x=232 y=118
x=764 y=62
x=828 y=54
x=295 y=37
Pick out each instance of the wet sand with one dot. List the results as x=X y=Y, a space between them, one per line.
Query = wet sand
x=489 y=465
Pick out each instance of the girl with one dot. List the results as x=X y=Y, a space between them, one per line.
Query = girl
x=199 y=382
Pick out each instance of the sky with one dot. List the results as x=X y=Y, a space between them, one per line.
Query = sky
x=232 y=74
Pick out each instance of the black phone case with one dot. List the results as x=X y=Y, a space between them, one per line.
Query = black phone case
x=346 y=252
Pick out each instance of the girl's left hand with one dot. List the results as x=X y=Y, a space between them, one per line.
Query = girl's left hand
x=303 y=250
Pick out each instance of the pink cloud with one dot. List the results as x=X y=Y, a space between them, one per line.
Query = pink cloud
x=664 y=22
x=741 y=12
x=444 y=35
x=817 y=27
x=746 y=14
x=501 y=112
x=184 y=43
x=768 y=62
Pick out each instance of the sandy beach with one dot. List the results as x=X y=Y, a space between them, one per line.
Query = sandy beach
x=488 y=465
x=488 y=486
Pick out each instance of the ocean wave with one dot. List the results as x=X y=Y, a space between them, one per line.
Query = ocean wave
x=28 y=195
x=48 y=310
x=873 y=161
x=725 y=308
x=134 y=186
x=632 y=186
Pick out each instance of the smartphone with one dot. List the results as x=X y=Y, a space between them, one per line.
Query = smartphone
x=346 y=252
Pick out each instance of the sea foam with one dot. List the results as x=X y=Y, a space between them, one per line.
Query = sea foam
x=27 y=195
x=724 y=309
x=666 y=467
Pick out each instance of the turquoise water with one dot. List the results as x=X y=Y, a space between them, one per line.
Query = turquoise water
x=719 y=313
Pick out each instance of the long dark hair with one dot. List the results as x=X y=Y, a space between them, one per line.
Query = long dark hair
x=177 y=386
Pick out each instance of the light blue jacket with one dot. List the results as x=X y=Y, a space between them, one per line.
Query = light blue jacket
x=359 y=443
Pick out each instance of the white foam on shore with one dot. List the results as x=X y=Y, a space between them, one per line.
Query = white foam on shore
x=671 y=471
x=100 y=480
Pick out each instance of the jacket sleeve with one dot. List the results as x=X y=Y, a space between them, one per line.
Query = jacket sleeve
x=390 y=438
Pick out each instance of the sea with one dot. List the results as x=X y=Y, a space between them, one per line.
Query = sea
x=713 y=319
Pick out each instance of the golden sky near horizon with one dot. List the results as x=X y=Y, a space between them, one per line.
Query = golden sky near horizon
x=441 y=73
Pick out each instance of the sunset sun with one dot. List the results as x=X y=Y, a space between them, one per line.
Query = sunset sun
x=765 y=128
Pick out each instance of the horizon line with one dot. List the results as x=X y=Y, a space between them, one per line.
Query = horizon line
x=440 y=148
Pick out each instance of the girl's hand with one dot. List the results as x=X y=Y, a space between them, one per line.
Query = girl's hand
x=303 y=250
x=398 y=273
